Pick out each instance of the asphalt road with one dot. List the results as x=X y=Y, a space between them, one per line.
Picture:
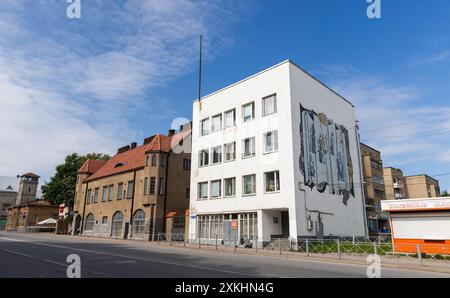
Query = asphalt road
x=31 y=255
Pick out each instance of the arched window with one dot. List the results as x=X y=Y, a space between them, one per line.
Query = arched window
x=89 y=224
x=117 y=222
x=138 y=224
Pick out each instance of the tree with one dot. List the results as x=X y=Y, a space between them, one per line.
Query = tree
x=445 y=194
x=61 y=188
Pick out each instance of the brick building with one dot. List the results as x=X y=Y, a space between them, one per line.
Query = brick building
x=21 y=217
x=140 y=192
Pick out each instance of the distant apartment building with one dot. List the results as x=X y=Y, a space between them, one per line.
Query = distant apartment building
x=275 y=155
x=374 y=188
x=8 y=196
x=421 y=186
x=394 y=182
x=138 y=193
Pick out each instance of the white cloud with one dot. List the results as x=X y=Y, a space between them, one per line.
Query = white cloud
x=71 y=85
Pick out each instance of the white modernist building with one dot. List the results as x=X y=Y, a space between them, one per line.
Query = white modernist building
x=275 y=155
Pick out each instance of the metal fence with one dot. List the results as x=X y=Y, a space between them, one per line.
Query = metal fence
x=339 y=249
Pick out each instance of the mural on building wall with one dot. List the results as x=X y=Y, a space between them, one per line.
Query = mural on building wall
x=325 y=160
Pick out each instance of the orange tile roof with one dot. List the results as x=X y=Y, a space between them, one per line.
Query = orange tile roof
x=91 y=166
x=132 y=159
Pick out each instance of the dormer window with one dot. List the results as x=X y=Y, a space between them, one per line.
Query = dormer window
x=118 y=165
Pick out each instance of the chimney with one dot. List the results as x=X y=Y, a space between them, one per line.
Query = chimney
x=133 y=145
x=148 y=140
x=123 y=149
x=171 y=132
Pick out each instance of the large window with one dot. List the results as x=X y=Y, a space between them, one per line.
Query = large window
x=162 y=160
x=204 y=127
x=230 y=187
x=138 y=224
x=248 y=112
x=104 y=193
x=90 y=221
x=269 y=105
x=216 y=189
x=248 y=149
x=187 y=164
x=203 y=191
x=88 y=196
x=216 y=155
x=117 y=222
x=111 y=192
x=145 y=186
x=230 y=118
x=230 y=151
x=152 y=185
x=120 y=191
x=96 y=195
x=272 y=181
x=203 y=158
x=130 y=190
x=154 y=161
x=249 y=185
x=248 y=226
x=216 y=123
x=270 y=141
x=161 y=186
x=210 y=226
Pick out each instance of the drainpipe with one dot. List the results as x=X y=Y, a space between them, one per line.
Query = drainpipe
x=358 y=146
x=84 y=209
x=165 y=192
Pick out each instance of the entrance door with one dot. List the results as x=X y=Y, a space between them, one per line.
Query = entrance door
x=230 y=231
x=284 y=224
x=77 y=225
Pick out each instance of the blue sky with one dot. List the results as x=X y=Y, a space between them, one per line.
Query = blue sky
x=126 y=69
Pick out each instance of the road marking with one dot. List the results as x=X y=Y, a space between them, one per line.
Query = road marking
x=17 y=253
x=131 y=257
x=56 y=263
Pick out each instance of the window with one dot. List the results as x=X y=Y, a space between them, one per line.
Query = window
x=117 y=222
x=230 y=118
x=216 y=189
x=188 y=193
x=96 y=195
x=138 y=224
x=90 y=221
x=204 y=158
x=161 y=186
x=216 y=155
x=272 y=181
x=203 y=190
x=210 y=226
x=230 y=151
x=104 y=193
x=204 y=127
x=216 y=123
x=162 y=160
x=249 y=185
x=248 y=147
x=145 y=185
x=153 y=160
x=120 y=191
x=269 y=105
x=130 y=189
x=230 y=187
x=146 y=160
x=88 y=196
x=271 y=141
x=111 y=193
x=104 y=220
x=152 y=185
x=248 y=111
x=248 y=226
x=187 y=164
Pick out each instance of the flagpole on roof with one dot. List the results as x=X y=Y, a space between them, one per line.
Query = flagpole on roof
x=200 y=74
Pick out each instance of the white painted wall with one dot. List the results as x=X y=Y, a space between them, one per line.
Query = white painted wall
x=290 y=85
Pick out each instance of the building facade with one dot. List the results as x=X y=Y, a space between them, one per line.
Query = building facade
x=21 y=217
x=275 y=156
x=394 y=182
x=137 y=191
x=422 y=186
x=374 y=189
x=8 y=196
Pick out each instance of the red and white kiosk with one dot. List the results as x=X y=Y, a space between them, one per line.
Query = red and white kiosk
x=419 y=221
